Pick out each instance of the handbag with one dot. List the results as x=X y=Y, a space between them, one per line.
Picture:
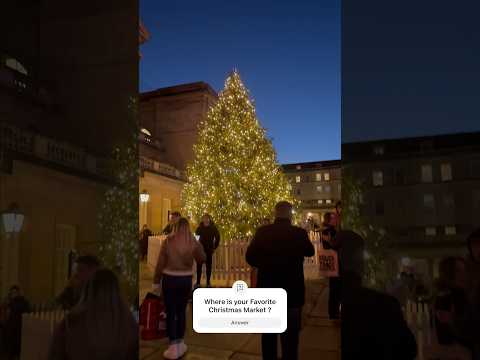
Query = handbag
x=328 y=262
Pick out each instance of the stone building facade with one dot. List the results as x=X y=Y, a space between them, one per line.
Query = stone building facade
x=317 y=185
x=67 y=74
x=169 y=119
x=425 y=193
x=171 y=116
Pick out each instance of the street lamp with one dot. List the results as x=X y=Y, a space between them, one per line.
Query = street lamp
x=144 y=196
x=12 y=219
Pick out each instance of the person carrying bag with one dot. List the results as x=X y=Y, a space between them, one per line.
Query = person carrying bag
x=174 y=271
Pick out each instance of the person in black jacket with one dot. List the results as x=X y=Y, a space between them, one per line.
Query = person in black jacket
x=210 y=239
x=17 y=306
x=452 y=297
x=334 y=283
x=373 y=326
x=174 y=217
x=85 y=268
x=278 y=251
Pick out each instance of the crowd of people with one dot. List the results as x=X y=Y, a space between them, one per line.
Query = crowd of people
x=372 y=322
x=98 y=323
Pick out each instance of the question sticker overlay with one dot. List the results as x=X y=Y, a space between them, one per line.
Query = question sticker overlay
x=239 y=309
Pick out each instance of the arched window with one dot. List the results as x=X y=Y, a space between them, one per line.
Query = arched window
x=146 y=132
x=14 y=64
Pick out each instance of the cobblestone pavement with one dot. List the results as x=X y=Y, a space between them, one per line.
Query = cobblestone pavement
x=319 y=339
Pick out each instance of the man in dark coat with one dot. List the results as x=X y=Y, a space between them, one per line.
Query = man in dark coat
x=473 y=328
x=373 y=326
x=278 y=251
x=174 y=217
x=17 y=306
x=209 y=237
x=144 y=235
x=86 y=266
x=334 y=283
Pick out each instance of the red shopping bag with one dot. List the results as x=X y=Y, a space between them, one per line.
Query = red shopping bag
x=152 y=318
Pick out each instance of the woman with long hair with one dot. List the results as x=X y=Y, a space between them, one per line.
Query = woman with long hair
x=100 y=327
x=175 y=270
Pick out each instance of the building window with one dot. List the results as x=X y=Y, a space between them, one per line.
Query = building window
x=430 y=231
x=326 y=176
x=297 y=179
x=449 y=201
x=450 y=230
x=299 y=191
x=327 y=188
x=427 y=173
x=320 y=201
x=446 y=171
x=377 y=178
x=339 y=188
x=319 y=188
x=299 y=167
x=475 y=168
x=328 y=201
x=289 y=186
x=429 y=201
x=318 y=176
x=379 y=207
x=379 y=150
x=399 y=177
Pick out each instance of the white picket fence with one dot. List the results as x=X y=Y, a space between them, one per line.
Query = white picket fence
x=37 y=333
x=229 y=263
x=420 y=319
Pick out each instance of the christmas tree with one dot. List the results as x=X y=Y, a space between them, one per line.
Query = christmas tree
x=119 y=212
x=235 y=176
x=376 y=240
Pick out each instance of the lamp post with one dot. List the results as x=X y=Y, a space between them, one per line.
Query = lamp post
x=144 y=199
x=12 y=221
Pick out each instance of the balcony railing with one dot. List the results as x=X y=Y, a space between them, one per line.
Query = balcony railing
x=50 y=150
x=161 y=168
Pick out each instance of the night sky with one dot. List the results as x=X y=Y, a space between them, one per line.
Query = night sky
x=409 y=68
x=287 y=53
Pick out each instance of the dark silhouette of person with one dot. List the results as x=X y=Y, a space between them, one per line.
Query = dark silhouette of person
x=85 y=267
x=277 y=251
x=174 y=217
x=210 y=239
x=17 y=305
x=373 y=326
x=452 y=299
x=100 y=326
x=144 y=235
x=334 y=283
x=473 y=262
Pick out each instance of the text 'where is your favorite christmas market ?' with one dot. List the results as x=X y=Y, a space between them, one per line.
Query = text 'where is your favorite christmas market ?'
x=239 y=310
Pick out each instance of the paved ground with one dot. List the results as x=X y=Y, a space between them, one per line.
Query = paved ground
x=320 y=337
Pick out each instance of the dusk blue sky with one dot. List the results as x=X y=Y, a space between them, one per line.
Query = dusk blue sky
x=287 y=53
x=409 y=68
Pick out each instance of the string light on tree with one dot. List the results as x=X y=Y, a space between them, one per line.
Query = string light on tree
x=235 y=175
x=119 y=212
